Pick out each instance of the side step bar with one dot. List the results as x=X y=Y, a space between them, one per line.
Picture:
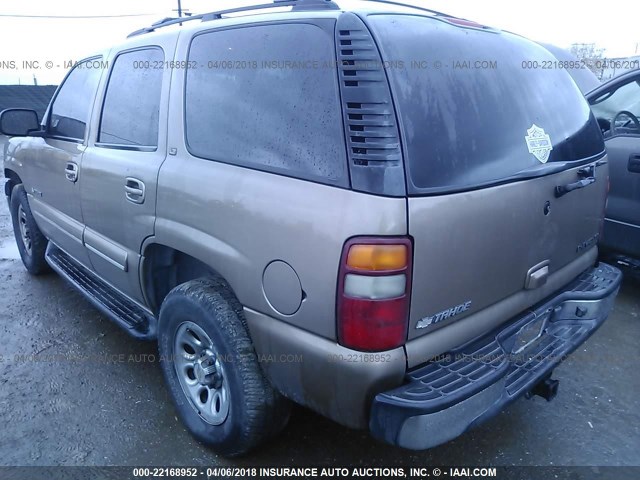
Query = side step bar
x=135 y=320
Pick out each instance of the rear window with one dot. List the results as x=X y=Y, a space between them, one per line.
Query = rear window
x=473 y=103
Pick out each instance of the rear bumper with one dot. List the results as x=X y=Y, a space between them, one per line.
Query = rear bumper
x=468 y=385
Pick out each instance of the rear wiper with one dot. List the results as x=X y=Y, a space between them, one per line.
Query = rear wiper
x=541 y=170
x=589 y=176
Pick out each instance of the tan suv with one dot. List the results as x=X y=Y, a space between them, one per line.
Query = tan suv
x=379 y=214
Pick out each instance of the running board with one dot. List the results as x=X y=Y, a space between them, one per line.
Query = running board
x=131 y=317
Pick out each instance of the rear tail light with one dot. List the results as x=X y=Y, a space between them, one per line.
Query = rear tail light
x=373 y=293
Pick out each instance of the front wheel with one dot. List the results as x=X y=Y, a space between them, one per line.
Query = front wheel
x=212 y=370
x=32 y=244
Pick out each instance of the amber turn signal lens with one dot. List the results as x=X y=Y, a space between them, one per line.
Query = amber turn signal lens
x=377 y=257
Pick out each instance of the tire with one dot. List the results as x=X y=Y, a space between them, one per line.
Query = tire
x=240 y=409
x=32 y=244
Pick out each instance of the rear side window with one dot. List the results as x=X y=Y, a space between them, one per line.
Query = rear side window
x=476 y=105
x=131 y=107
x=267 y=97
x=73 y=102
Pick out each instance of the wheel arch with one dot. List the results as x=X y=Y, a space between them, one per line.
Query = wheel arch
x=12 y=179
x=164 y=268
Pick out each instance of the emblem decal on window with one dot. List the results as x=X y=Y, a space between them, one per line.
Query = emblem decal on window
x=539 y=143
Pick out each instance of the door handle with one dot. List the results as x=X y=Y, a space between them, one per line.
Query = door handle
x=588 y=176
x=634 y=163
x=134 y=190
x=71 y=172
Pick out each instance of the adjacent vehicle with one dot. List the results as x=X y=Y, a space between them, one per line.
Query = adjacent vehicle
x=616 y=105
x=376 y=213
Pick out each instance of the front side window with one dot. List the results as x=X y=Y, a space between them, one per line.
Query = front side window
x=618 y=110
x=131 y=109
x=72 y=105
x=261 y=99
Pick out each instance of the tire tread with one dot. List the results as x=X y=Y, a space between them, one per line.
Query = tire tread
x=266 y=411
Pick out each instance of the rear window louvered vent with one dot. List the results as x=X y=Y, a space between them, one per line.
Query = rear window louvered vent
x=370 y=120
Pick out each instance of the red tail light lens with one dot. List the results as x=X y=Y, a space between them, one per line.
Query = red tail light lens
x=373 y=325
x=373 y=293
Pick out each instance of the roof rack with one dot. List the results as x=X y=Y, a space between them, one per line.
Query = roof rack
x=296 y=4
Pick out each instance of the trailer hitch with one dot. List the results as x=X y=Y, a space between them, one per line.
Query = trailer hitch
x=546 y=388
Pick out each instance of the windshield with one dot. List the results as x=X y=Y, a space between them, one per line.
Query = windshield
x=623 y=104
x=477 y=106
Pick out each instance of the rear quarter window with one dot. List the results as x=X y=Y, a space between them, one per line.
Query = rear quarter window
x=467 y=97
x=267 y=97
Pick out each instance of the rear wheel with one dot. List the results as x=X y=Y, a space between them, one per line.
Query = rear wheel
x=201 y=373
x=212 y=370
x=32 y=244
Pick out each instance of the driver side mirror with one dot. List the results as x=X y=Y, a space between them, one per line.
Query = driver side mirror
x=18 y=122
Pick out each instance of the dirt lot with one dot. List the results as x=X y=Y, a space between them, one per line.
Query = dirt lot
x=114 y=410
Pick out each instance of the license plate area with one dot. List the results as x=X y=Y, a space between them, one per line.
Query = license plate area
x=531 y=332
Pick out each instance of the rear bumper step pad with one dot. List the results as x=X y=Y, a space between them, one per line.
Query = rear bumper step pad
x=464 y=387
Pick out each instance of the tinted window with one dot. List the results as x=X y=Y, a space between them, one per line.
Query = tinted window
x=72 y=106
x=132 y=102
x=584 y=78
x=267 y=96
x=469 y=112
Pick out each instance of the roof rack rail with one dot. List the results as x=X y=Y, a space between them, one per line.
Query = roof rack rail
x=296 y=4
x=310 y=4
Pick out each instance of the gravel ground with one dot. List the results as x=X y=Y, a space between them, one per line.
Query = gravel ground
x=114 y=409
